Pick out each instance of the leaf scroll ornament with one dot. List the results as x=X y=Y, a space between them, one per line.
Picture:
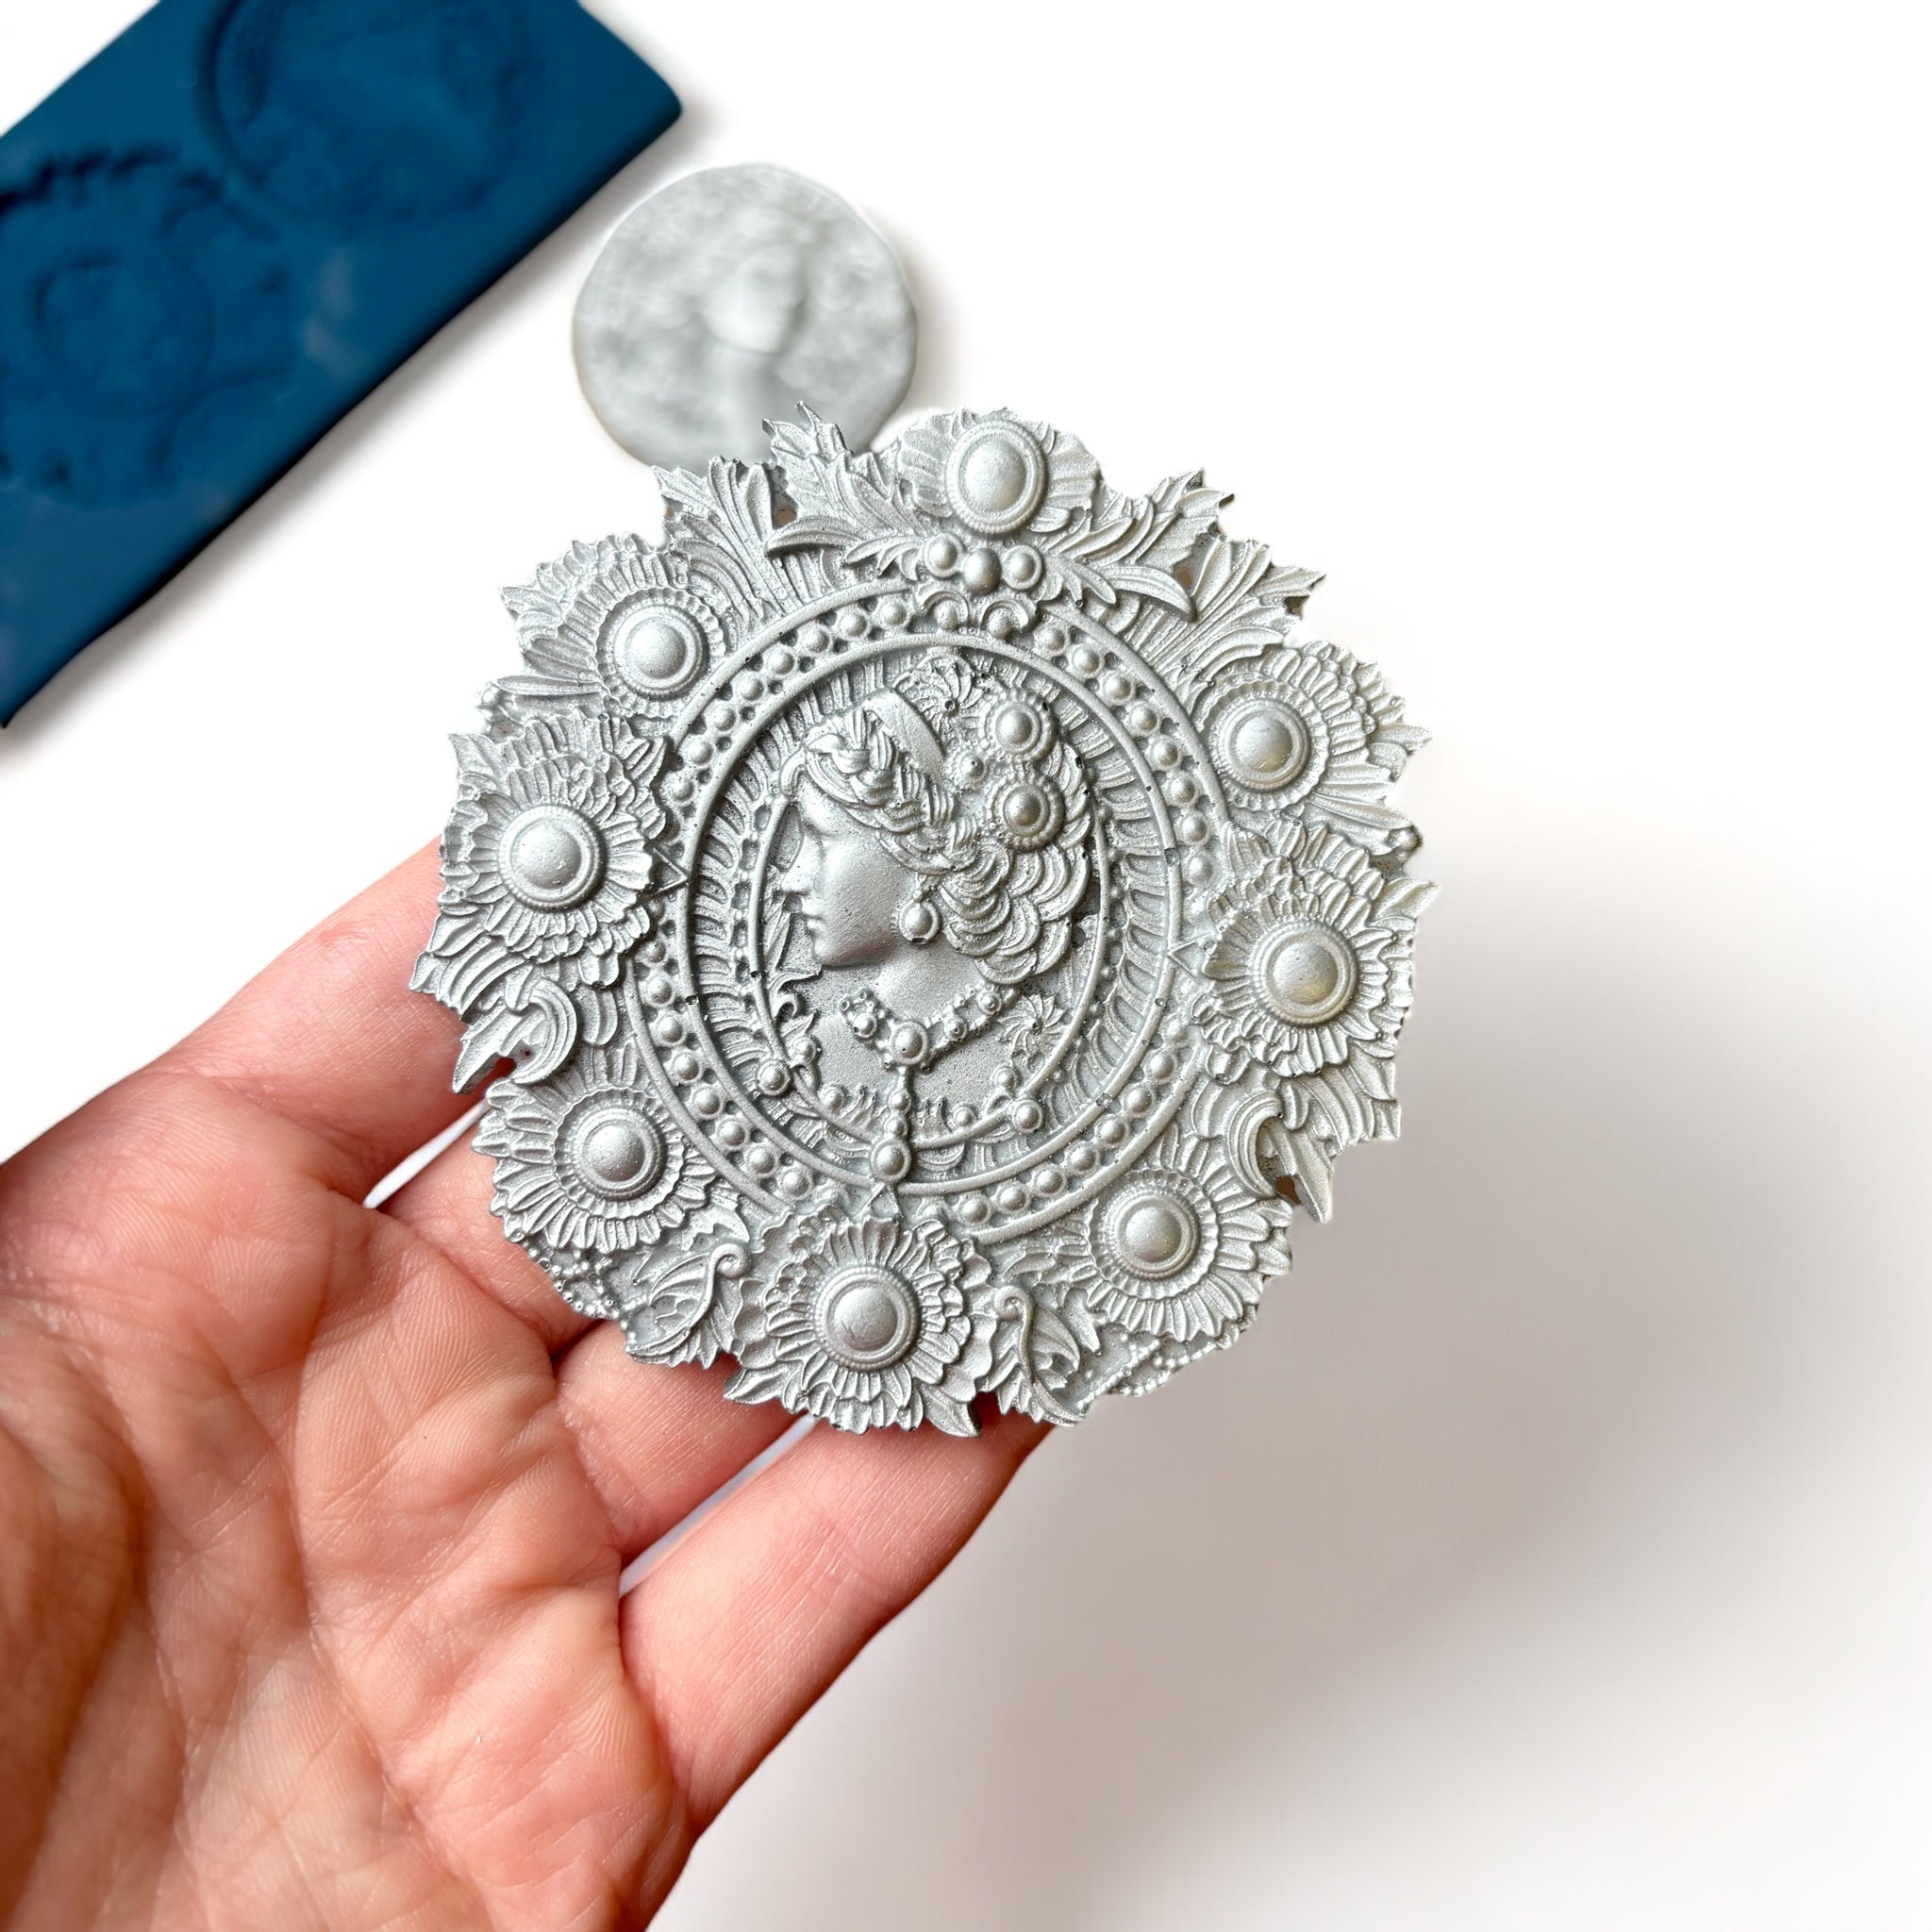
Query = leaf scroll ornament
x=685 y=1310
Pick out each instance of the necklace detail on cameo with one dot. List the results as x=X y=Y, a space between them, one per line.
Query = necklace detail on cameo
x=916 y=1044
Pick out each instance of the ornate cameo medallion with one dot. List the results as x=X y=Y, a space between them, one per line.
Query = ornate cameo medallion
x=944 y=913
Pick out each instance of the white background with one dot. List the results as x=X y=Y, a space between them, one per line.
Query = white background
x=1557 y=1552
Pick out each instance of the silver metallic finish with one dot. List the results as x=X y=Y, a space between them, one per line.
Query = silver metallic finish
x=944 y=913
x=730 y=298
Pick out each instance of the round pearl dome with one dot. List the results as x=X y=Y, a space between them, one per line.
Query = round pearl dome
x=551 y=856
x=867 y=1318
x=1265 y=746
x=1305 y=973
x=618 y=1152
x=995 y=476
x=1016 y=727
x=655 y=649
x=1154 y=1234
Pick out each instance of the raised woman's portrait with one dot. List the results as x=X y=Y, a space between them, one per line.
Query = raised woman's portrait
x=939 y=863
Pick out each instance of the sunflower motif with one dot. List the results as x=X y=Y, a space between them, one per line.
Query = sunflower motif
x=544 y=860
x=1178 y=1249
x=1308 y=969
x=584 y=1161
x=872 y=1322
x=1312 y=728
x=608 y=627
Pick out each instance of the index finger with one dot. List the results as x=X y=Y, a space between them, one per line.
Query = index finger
x=330 y=1039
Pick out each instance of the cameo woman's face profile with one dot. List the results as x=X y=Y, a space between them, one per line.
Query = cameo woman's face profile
x=928 y=851
x=847 y=886
x=756 y=306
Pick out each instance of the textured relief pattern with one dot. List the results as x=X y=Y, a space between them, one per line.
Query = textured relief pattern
x=143 y=316
x=944 y=912
x=358 y=111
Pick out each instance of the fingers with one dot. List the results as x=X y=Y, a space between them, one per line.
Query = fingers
x=744 y=1626
x=448 y=1206
x=331 y=1038
x=655 y=1442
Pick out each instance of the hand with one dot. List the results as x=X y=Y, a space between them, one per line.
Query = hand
x=311 y=1516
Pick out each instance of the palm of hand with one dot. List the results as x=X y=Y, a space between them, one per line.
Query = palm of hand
x=313 y=1515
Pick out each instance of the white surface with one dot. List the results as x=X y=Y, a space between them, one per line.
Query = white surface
x=1557 y=1552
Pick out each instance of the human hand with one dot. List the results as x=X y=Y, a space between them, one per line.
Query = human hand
x=312 y=1515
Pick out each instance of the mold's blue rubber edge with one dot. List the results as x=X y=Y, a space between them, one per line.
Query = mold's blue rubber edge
x=227 y=229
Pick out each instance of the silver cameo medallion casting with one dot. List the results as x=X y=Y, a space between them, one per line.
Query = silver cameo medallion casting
x=944 y=913
x=730 y=296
